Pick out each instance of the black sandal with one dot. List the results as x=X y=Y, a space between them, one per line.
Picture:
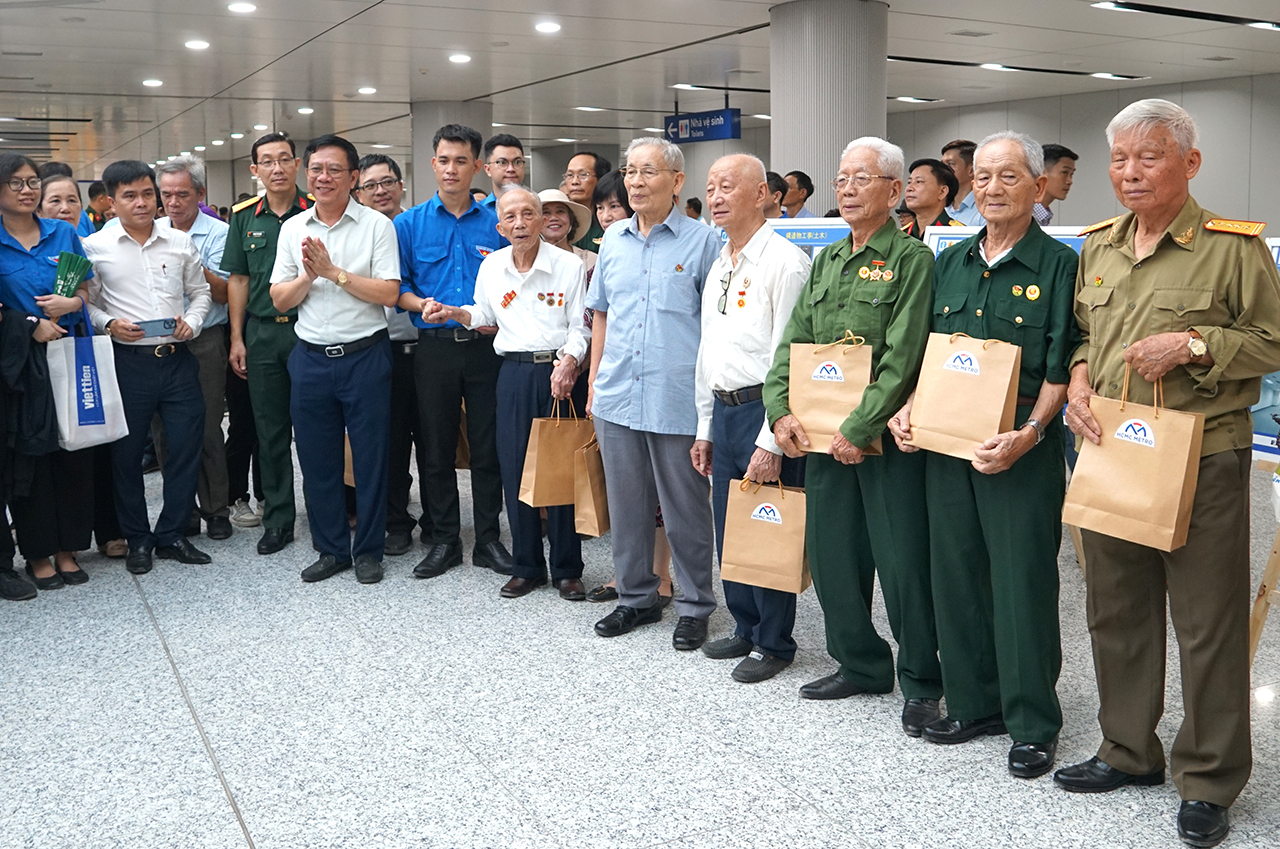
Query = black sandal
x=603 y=594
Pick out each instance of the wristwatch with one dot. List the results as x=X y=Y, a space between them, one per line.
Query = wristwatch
x=1039 y=429
x=1197 y=345
x=342 y=279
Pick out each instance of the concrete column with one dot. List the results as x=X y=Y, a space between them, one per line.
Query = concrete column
x=427 y=116
x=828 y=79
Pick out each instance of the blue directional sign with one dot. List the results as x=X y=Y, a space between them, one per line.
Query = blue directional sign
x=704 y=126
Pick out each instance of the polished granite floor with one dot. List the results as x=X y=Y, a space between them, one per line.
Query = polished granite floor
x=231 y=705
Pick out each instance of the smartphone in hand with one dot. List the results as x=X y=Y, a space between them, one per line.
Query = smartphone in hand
x=158 y=327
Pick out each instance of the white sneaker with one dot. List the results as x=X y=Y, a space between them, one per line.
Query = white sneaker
x=242 y=516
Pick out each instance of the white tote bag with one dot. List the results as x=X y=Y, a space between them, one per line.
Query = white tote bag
x=86 y=397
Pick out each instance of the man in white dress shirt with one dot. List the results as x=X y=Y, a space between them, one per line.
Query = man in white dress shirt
x=339 y=264
x=142 y=271
x=746 y=302
x=534 y=293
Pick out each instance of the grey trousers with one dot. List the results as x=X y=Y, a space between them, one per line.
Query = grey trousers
x=212 y=490
x=642 y=470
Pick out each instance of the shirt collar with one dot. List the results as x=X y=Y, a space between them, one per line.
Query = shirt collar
x=200 y=227
x=47 y=226
x=436 y=205
x=752 y=250
x=968 y=203
x=1181 y=231
x=880 y=242
x=1027 y=251
x=673 y=222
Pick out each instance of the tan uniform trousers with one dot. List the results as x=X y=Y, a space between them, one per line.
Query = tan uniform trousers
x=1207 y=583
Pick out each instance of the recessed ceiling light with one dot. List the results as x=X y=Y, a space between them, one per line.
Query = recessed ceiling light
x=380 y=146
x=197 y=44
x=496 y=124
x=216 y=142
x=160 y=161
x=566 y=141
x=259 y=126
x=1265 y=25
x=305 y=110
x=199 y=147
x=763 y=116
x=654 y=130
x=1112 y=7
x=459 y=58
x=242 y=8
x=152 y=83
x=237 y=135
x=368 y=89
x=993 y=66
x=919 y=99
x=548 y=27
x=173 y=156
x=687 y=87
x=588 y=108
x=185 y=152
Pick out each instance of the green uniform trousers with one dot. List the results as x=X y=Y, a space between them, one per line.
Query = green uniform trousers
x=863 y=519
x=994 y=540
x=267 y=348
x=1207 y=584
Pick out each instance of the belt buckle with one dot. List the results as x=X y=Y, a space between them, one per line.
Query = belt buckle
x=543 y=357
x=458 y=338
x=282 y=319
x=333 y=351
x=172 y=348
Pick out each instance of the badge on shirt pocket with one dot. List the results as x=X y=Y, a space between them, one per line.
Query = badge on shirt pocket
x=483 y=251
x=52 y=260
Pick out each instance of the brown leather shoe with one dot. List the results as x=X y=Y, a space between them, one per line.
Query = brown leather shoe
x=572 y=589
x=517 y=587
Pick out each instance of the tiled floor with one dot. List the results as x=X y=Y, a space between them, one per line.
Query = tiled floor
x=231 y=705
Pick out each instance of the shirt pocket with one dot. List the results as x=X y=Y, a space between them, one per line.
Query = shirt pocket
x=948 y=311
x=678 y=294
x=872 y=309
x=1091 y=303
x=1176 y=310
x=1023 y=323
x=254 y=242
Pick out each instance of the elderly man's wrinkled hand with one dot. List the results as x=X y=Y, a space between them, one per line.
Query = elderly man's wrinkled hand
x=845 y=451
x=900 y=427
x=1157 y=355
x=790 y=435
x=765 y=466
x=1001 y=451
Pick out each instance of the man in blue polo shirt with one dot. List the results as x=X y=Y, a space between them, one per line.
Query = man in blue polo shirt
x=442 y=243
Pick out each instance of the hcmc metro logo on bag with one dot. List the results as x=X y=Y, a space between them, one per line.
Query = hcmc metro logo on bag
x=767 y=513
x=962 y=361
x=828 y=371
x=1137 y=432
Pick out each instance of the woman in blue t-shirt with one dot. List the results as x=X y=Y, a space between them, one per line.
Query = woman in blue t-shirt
x=52 y=498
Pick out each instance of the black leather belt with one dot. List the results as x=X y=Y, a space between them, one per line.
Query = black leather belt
x=345 y=348
x=530 y=356
x=403 y=347
x=168 y=349
x=452 y=334
x=738 y=397
x=274 y=319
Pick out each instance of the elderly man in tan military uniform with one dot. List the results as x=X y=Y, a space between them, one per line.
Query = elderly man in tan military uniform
x=1174 y=292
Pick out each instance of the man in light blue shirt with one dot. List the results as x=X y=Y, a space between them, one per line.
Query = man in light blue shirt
x=958 y=155
x=182 y=187
x=647 y=295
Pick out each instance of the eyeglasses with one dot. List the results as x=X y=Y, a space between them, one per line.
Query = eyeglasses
x=384 y=183
x=270 y=164
x=861 y=181
x=504 y=164
x=30 y=183
x=648 y=172
x=577 y=176
x=331 y=170
x=724 y=298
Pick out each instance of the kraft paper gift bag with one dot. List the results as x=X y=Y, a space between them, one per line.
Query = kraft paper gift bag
x=1140 y=482
x=548 y=462
x=86 y=397
x=966 y=393
x=764 y=538
x=826 y=383
x=591 y=501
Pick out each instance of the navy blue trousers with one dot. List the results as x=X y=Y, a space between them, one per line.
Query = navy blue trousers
x=330 y=396
x=765 y=617
x=524 y=394
x=170 y=388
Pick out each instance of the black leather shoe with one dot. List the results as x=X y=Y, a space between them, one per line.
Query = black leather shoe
x=183 y=551
x=439 y=559
x=728 y=647
x=1032 y=760
x=519 y=587
x=757 y=667
x=571 y=589
x=326 y=567
x=948 y=730
x=917 y=713
x=624 y=619
x=138 y=561
x=832 y=687
x=368 y=569
x=218 y=527
x=493 y=555
x=1094 y=776
x=73 y=576
x=690 y=633
x=1202 y=824
x=274 y=539
x=13 y=587
x=398 y=543
x=50 y=582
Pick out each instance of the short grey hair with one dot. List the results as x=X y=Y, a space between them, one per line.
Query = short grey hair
x=1032 y=150
x=890 y=158
x=192 y=166
x=1143 y=116
x=672 y=155
x=513 y=189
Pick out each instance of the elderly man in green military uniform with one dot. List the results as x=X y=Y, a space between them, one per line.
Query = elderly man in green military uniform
x=995 y=521
x=262 y=337
x=1178 y=295
x=866 y=513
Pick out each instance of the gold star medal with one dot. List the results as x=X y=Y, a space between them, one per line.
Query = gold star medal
x=864 y=272
x=1033 y=292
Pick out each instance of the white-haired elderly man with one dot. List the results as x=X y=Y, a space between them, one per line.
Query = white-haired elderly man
x=532 y=291
x=865 y=513
x=995 y=521
x=745 y=305
x=647 y=297
x=1174 y=293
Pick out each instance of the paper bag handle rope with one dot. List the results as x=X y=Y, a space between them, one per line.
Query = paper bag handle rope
x=1159 y=391
x=555 y=411
x=849 y=340
x=746 y=484
x=986 y=343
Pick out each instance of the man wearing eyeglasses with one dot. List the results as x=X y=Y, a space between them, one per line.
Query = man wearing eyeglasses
x=866 y=509
x=442 y=243
x=580 y=177
x=339 y=266
x=262 y=337
x=504 y=162
x=745 y=305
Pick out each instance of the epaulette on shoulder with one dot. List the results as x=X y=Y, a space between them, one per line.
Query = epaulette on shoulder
x=1241 y=228
x=245 y=204
x=311 y=197
x=1086 y=231
x=906 y=228
x=957 y=223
